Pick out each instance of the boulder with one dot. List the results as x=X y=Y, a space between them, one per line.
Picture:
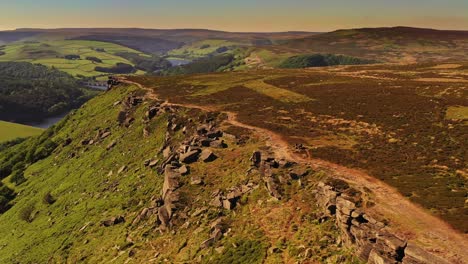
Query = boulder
x=113 y=221
x=152 y=112
x=163 y=217
x=207 y=155
x=167 y=152
x=415 y=254
x=196 y=181
x=256 y=158
x=376 y=258
x=184 y=170
x=227 y=204
x=171 y=181
x=190 y=156
x=217 y=144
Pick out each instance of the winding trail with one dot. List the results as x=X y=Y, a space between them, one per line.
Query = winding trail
x=408 y=220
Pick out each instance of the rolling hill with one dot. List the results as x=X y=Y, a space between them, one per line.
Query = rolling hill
x=10 y=131
x=397 y=44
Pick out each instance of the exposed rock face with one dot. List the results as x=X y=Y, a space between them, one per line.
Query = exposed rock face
x=371 y=239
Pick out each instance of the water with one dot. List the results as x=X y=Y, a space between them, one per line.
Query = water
x=48 y=122
x=178 y=62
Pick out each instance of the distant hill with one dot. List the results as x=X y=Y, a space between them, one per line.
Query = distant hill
x=395 y=44
x=147 y=40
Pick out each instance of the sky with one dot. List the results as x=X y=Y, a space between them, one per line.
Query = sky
x=234 y=15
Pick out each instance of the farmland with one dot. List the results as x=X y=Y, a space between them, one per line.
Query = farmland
x=52 y=54
x=9 y=131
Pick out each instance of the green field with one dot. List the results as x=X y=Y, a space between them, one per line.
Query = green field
x=9 y=131
x=51 y=53
x=202 y=48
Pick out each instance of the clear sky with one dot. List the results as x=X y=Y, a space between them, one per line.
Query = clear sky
x=234 y=15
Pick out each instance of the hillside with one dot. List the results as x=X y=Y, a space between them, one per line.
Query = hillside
x=235 y=168
x=395 y=45
x=108 y=208
x=10 y=131
x=31 y=92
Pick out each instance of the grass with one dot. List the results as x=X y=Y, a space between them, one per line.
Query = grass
x=9 y=131
x=50 y=53
x=201 y=48
x=457 y=113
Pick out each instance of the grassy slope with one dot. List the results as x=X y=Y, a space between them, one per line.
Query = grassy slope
x=201 y=48
x=87 y=193
x=9 y=131
x=46 y=52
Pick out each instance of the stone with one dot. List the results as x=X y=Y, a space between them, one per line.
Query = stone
x=208 y=156
x=113 y=221
x=153 y=163
x=122 y=169
x=184 y=170
x=189 y=157
x=171 y=182
x=167 y=152
x=105 y=134
x=217 y=201
x=196 y=181
x=116 y=103
x=152 y=112
x=207 y=243
x=376 y=258
x=415 y=254
x=111 y=145
x=164 y=217
x=214 y=134
x=272 y=187
x=217 y=144
x=345 y=206
x=227 y=204
x=128 y=121
x=256 y=158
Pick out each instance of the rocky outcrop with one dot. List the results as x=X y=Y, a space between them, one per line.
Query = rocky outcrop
x=373 y=241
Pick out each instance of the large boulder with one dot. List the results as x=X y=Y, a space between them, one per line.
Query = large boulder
x=190 y=156
x=207 y=155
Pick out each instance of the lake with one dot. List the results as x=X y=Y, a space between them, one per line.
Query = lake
x=48 y=122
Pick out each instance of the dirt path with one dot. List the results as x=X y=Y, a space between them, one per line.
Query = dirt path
x=407 y=220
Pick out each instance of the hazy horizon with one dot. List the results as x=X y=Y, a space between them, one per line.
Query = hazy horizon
x=239 y=16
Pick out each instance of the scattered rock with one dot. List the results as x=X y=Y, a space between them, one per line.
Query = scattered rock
x=207 y=155
x=113 y=221
x=196 y=181
x=122 y=169
x=153 y=163
x=256 y=158
x=184 y=170
x=190 y=156
x=111 y=145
